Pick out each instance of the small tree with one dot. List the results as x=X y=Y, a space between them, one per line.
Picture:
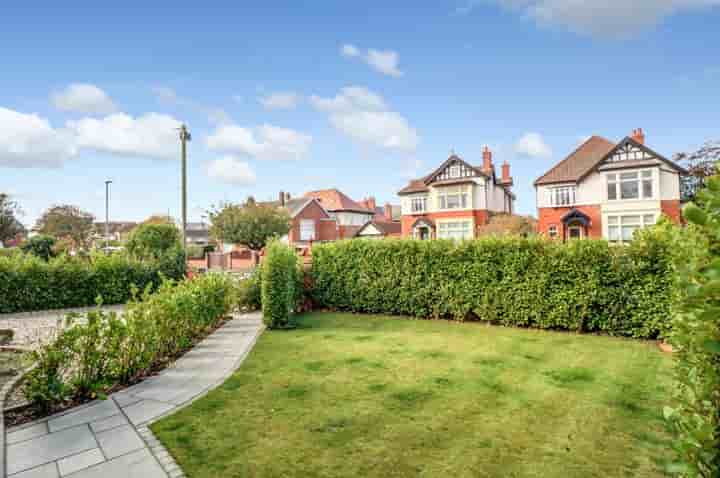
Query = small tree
x=10 y=225
x=41 y=246
x=701 y=164
x=67 y=222
x=251 y=225
x=153 y=240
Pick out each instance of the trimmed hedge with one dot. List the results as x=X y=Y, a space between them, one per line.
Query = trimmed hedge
x=280 y=286
x=89 y=359
x=28 y=283
x=587 y=286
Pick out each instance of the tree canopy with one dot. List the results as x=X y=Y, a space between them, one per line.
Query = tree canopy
x=701 y=164
x=153 y=240
x=67 y=222
x=10 y=225
x=251 y=224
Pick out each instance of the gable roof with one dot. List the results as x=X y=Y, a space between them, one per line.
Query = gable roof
x=335 y=200
x=385 y=228
x=642 y=162
x=578 y=163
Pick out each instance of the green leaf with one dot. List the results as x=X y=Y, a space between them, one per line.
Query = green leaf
x=694 y=214
x=712 y=346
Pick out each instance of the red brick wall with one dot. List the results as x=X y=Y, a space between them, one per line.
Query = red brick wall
x=549 y=216
x=316 y=213
x=328 y=230
x=671 y=209
x=481 y=217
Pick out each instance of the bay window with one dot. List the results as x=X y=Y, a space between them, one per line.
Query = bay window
x=631 y=185
x=453 y=199
x=622 y=228
x=455 y=230
x=418 y=204
x=562 y=196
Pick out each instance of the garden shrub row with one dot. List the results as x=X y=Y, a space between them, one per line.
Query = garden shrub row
x=588 y=286
x=280 y=285
x=90 y=358
x=28 y=283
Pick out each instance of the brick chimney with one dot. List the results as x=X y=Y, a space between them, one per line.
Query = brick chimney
x=506 y=172
x=282 y=198
x=370 y=203
x=487 y=160
x=388 y=211
x=638 y=135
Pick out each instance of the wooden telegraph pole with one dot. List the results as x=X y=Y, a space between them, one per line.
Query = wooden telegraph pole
x=184 y=138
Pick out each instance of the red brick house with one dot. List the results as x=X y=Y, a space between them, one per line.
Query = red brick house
x=608 y=190
x=349 y=215
x=456 y=199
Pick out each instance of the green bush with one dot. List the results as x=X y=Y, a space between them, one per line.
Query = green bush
x=695 y=415
x=249 y=292
x=153 y=241
x=28 y=283
x=279 y=285
x=90 y=358
x=40 y=246
x=588 y=286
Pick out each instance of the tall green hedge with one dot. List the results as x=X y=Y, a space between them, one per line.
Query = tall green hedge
x=28 y=283
x=581 y=286
x=279 y=285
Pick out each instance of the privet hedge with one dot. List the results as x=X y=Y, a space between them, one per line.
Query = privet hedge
x=29 y=283
x=88 y=359
x=280 y=285
x=581 y=286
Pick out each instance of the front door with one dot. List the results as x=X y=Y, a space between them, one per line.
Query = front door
x=423 y=233
x=575 y=232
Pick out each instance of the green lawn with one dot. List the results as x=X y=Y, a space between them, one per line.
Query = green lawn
x=374 y=396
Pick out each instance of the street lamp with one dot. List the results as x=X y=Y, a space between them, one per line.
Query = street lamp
x=107 y=213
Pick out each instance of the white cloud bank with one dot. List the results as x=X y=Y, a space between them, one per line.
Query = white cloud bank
x=231 y=170
x=265 y=142
x=384 y=61
x=533 y=145
x=83 y=98
x=280 y=100
x=600 y=18
x=365 y=117
x=29 y=141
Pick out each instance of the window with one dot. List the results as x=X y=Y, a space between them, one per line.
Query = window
x=552 y=232
x=418 y=204
x=453 y=199
x=622 y=228
x=563 y=196
x=454 y=171
x=307 y=230
x=634 y=185
x=455 y=230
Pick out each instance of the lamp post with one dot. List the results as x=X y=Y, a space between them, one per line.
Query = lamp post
x=184 y=138
x=107 y=212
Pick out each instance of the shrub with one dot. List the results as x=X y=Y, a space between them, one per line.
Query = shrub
x=195 y=252
x=28 y=283
x=89 y=358
x=40 y=246
x=279 y=285
x=695 y=415
x=581 y=286
x=153 y=241
x=249 y=292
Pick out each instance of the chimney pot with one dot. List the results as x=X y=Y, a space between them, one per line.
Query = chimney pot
x=388 y=212
x=638 y=135
x=282 y=198
x=487 y=159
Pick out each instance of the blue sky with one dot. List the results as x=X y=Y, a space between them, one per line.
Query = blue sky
x=359 y=96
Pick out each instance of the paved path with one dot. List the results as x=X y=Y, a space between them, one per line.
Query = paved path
x=111 y=438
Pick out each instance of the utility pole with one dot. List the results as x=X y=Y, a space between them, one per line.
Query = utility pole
x=107 y=213
x=184 y=138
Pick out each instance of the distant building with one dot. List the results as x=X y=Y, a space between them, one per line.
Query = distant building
x=197 y=233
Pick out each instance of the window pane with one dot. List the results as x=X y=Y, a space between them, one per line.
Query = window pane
x=442 y=202
x=627 y=232
x=628 y=176
x=464 y=200
x=649 y=219
x=630 y=220
x=453 y=202
x=612 y=220
x=647 y=174
x=611 y=177
x=611 y=191
x=613 y=233
x=629 y=190
x=647 y=188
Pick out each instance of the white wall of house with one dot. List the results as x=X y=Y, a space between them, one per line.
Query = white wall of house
x=480 y=194
x=346 y=218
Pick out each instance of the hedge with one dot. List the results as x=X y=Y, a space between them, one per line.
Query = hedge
x=280 y=285
x=28 y=283
x=89 y=359
x=587 y=286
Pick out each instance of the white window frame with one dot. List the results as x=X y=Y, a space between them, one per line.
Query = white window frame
x=454 y=171
x=418 y=204
x=563 y=196
x=304 y=229
x=457 y=230
x=616 y=223
x=462 y=199
x=615 y=180
x=553 y=231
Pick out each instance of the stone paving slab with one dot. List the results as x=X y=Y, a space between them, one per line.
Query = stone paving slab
x=110 y=438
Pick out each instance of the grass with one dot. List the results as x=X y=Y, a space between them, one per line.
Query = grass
x=373 y=396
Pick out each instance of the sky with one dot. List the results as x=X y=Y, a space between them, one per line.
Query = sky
x=360 y=96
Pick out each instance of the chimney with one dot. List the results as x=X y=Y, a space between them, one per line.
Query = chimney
x=287 y=197
x=638 y=135
x=282 y=198
x=487 y=160
x=506 y=172
x=370 y=203
x=388 y=212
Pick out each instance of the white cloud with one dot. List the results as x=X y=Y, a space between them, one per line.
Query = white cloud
x=231 y=170
x=533 y=145
x=365 y=117
x=151 y=135
x=280 y=100
x=601 y=18
x=83 y=98
x=266 y=142
x=169 y=96
x=29 y=141
x=384 y=61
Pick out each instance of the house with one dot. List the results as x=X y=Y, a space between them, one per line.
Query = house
x=197 y=233
x=608 y=190
x=385 y=222
x=349 y=215
x=456 y=199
